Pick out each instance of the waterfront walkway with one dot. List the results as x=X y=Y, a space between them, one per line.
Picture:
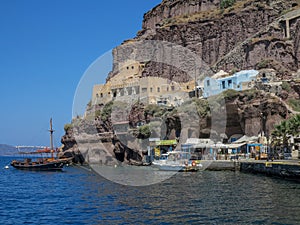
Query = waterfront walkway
x=280 y=168
x=236 y=164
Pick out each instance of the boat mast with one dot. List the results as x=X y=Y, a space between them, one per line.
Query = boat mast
x=51 y=135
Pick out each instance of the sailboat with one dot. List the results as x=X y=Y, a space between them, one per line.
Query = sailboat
x=41 y=163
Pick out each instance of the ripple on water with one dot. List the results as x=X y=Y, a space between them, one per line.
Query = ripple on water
x=80 y=197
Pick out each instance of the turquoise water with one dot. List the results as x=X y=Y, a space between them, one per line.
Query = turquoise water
x=77 y=196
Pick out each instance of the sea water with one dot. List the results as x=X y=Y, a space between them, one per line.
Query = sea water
x=78 y=196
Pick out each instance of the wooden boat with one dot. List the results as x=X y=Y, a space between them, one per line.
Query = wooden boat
x=41 y=163
x=45 y=165
x=177 y=161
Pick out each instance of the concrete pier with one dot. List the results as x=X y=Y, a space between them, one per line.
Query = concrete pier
x=284 y=169
x=219 y=165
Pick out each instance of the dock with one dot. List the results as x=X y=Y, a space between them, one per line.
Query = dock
x=220 y=165
x=284 y=168
x=279 y=168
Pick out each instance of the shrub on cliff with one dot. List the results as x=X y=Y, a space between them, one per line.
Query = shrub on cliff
x=227 y=3
x=67 y=127
x=155 y=110
x=144 y=131
x=295 y=104
x=286 y=86
x=106 y=111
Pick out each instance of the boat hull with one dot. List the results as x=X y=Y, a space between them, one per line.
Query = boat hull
x=176 y=168
x=49 y=166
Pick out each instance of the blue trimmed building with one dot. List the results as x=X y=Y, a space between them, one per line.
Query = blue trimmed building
x=239 y=81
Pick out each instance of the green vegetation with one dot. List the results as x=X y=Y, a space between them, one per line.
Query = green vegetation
x=106 y=111
x=295 y=104
x=68 y=126
x=230 y=93
x=286 y=86
x=97 y=113
x=155 y=110
x=262 y=64
x=144 y=131
x=286 y=128
x=202 y=107
x=227 y=3
x=251 y=94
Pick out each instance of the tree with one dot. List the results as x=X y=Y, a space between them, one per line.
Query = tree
x=295 y=125
x=227 y=3
x=285 y=129
x=282 y=131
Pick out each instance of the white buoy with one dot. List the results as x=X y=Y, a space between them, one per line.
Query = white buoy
x=6 y=167
x=116 y=166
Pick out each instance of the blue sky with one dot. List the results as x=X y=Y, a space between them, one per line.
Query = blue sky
x=45 y=48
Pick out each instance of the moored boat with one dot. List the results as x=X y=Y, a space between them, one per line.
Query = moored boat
x=177 y=161
x=41 y=163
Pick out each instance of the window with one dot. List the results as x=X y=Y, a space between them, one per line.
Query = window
x=229 y=83
x=158 y=89
x=188 y=87
x=208 y=82
x=132 y=67
x=144 y=90
x=115 y=94
x=223 y=84
x=128 y=67
x=167 y=88
x=101 y=95
x=151 y=89
x=172 y=88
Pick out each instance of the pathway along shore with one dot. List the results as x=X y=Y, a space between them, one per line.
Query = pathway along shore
x=284 y=168
x=281 y=168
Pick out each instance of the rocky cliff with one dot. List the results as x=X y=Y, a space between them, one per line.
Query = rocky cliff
x=243 y=36
x=250 y=34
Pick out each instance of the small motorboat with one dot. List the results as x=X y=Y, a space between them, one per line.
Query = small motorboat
x=177 y=161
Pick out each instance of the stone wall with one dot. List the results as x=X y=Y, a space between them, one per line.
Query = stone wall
x=285 y=170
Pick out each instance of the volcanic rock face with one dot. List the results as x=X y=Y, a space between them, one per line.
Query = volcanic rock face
x=251 y=113
x=173 y=8
x=212 y=34
x=251 y=34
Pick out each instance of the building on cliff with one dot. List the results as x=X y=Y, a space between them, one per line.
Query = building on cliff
x=220 y=82
x=128 y=85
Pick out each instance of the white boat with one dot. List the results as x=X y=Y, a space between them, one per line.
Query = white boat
x=177 y=161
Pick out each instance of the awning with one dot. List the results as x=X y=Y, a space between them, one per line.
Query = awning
x=246 y=139
x=166 y=142
x=202 y=146
x=237 y=145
